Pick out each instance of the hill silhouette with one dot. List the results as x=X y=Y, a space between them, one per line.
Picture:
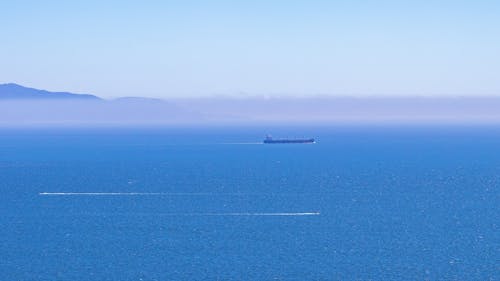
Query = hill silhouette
x=14 y=91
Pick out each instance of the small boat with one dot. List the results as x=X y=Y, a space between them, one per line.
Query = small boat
x=270 y=139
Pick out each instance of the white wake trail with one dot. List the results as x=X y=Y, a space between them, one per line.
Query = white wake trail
x=250 y=143
x=237 y=214
x=258 y=214
x=117 y=194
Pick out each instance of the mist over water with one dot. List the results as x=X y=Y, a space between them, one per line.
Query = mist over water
x=213 y=111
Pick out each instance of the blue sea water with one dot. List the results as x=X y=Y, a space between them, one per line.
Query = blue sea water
x=363 y=203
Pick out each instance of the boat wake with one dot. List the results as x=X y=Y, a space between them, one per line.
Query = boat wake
x=242 y=143
x=121 y=194
x=244 y=214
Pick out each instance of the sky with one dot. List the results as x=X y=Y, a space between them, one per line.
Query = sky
x=253 y=48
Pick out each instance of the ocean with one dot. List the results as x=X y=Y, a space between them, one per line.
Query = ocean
x=213 y=203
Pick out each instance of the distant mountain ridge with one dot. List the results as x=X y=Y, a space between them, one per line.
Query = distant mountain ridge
x=20 y=106
x=12 y=91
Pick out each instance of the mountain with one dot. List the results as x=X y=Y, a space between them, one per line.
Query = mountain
x=13 y=91
x=26 y=106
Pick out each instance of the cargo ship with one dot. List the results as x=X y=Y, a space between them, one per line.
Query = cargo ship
x=270 y=139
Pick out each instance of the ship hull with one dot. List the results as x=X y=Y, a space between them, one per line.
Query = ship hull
x=289 y=141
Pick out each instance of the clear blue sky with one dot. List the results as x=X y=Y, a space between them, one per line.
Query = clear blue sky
x=258 y=47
